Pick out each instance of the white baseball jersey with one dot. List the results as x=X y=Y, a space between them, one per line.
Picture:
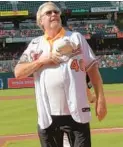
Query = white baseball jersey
x=73 y=81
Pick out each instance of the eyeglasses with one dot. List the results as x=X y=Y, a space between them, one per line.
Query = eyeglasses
x=49 y=13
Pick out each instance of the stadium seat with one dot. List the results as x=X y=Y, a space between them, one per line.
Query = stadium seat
x=5 y=6
x=87 y=4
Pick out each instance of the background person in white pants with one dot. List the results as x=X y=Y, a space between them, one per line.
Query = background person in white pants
x=66 y=141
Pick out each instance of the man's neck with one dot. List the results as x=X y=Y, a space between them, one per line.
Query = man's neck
x=53 y=32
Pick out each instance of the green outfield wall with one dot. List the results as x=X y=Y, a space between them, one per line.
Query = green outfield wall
x=4 y=77
x=112 y=75
x=109 y=76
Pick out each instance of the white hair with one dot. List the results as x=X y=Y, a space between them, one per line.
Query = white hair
x=39 y=12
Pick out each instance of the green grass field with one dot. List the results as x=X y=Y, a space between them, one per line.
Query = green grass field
x=20 y=117
x=25 y=143
x=113 y=87
x=100 y=140
x=30 y=91
x=17 y=92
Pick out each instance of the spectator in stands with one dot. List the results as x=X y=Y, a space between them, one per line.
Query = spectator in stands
x=111 y=61
x=60 y=80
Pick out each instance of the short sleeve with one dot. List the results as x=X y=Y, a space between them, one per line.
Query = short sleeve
x=88 y=55
x=30 y=54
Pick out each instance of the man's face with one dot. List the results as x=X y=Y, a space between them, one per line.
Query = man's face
x=50 y=18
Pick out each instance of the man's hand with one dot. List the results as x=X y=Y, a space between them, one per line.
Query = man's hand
x=91 y=96
x=50 y=59
x=55 y=58
x=101 y=108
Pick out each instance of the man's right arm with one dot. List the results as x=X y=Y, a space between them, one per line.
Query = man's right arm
x=24 y=68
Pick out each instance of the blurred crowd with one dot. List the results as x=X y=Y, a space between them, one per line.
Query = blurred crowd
x=8 y=65
x=93 y=28
x=106 y=61
x=29 y=28
x=10 y=54
x=20 y=33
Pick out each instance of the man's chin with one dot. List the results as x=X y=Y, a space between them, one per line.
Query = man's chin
x=55 y=26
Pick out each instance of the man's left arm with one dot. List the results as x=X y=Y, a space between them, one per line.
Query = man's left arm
x=91 y=67
x=96 y=80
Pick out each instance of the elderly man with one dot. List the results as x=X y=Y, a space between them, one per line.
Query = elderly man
x=58 y=60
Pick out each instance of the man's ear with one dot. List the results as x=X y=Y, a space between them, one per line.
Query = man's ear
x=41 y=21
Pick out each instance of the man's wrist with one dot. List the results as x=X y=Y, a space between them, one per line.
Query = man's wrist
x=101 y=98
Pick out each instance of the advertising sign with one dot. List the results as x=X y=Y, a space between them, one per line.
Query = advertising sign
x=21 y=83
x=104 y=9
x=13 y=13
x=120 y=35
